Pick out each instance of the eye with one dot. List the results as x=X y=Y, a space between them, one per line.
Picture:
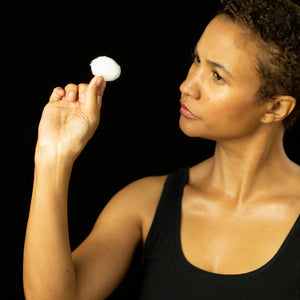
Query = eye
x=217 y=77
x=196 y=58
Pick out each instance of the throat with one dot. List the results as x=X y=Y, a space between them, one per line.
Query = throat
x=239 y=171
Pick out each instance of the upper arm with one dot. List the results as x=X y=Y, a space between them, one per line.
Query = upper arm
x=103 y=259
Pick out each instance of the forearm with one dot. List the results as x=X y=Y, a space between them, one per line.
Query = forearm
x=48 y=267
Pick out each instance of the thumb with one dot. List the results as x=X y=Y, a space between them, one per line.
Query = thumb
x=94 y=93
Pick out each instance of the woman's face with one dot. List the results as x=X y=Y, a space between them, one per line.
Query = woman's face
x=219 y=94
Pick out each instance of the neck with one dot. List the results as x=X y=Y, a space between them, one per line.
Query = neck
x=243 y=166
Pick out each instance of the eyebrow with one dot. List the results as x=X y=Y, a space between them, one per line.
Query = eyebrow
x=215 y=64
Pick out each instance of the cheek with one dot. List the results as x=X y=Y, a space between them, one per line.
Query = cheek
x=223 y=117
x=228 y=110
x=234 y=119
x=230 y=106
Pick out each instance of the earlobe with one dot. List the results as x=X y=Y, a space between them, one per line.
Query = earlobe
x=279 y=109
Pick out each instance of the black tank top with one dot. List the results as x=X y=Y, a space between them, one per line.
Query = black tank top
x=169 y=276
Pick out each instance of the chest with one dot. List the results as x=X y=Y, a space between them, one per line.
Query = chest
x=233 y=242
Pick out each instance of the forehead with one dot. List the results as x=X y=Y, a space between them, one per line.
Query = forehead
x=227 y=43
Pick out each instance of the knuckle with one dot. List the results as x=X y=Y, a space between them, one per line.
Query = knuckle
x=82 y=86
x=71 y=87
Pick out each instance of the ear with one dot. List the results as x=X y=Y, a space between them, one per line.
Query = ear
x=278 y=109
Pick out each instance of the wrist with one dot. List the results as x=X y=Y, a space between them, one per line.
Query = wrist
x=47 y=157
x=52 y=172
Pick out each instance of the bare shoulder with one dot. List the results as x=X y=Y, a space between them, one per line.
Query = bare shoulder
x=141 y=192
x=145 y=186
x=143 y=197
x=138 y=201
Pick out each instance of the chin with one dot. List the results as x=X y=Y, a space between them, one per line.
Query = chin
x=197 y=130
x=190 y=129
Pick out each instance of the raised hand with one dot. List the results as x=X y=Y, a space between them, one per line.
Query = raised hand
x=70 y=119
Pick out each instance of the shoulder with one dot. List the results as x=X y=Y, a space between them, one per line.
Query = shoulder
x=145 y=185
x=141 y=191
x=146 y=193
x=138 y=200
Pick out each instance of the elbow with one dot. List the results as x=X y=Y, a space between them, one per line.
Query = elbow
x=42 y=291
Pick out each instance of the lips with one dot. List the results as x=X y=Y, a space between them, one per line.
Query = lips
x=184 y=110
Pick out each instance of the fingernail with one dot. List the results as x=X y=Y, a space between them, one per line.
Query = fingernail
x=99 y=81
x=71 y=96
x=81 y=98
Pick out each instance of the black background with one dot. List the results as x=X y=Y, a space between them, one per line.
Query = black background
x=138 y=135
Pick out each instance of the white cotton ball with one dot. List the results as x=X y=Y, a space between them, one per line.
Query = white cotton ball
x=106 y=67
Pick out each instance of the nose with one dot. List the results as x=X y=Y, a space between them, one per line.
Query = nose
x=190 y=86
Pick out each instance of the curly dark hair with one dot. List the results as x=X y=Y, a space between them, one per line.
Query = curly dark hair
x=275 y=24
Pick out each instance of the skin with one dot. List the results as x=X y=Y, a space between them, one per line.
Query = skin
x=246 y=196
x=249 y=184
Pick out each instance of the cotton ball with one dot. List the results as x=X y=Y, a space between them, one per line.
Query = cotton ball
x=106 y=67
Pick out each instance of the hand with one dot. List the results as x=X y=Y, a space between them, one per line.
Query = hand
x=70 y=119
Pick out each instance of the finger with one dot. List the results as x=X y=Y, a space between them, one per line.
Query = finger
x=101 y=90
x=81 y=91
x=57 y=94
x=92 y=98
x=71 y=92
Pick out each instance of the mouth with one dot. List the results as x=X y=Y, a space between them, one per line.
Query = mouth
x=184 y=110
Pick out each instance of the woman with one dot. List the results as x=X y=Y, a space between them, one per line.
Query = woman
x=226 y=228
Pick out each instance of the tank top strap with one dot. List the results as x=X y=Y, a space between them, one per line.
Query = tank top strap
x=161 y=234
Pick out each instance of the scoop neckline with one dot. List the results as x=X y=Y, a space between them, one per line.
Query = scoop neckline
x=217 y=276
